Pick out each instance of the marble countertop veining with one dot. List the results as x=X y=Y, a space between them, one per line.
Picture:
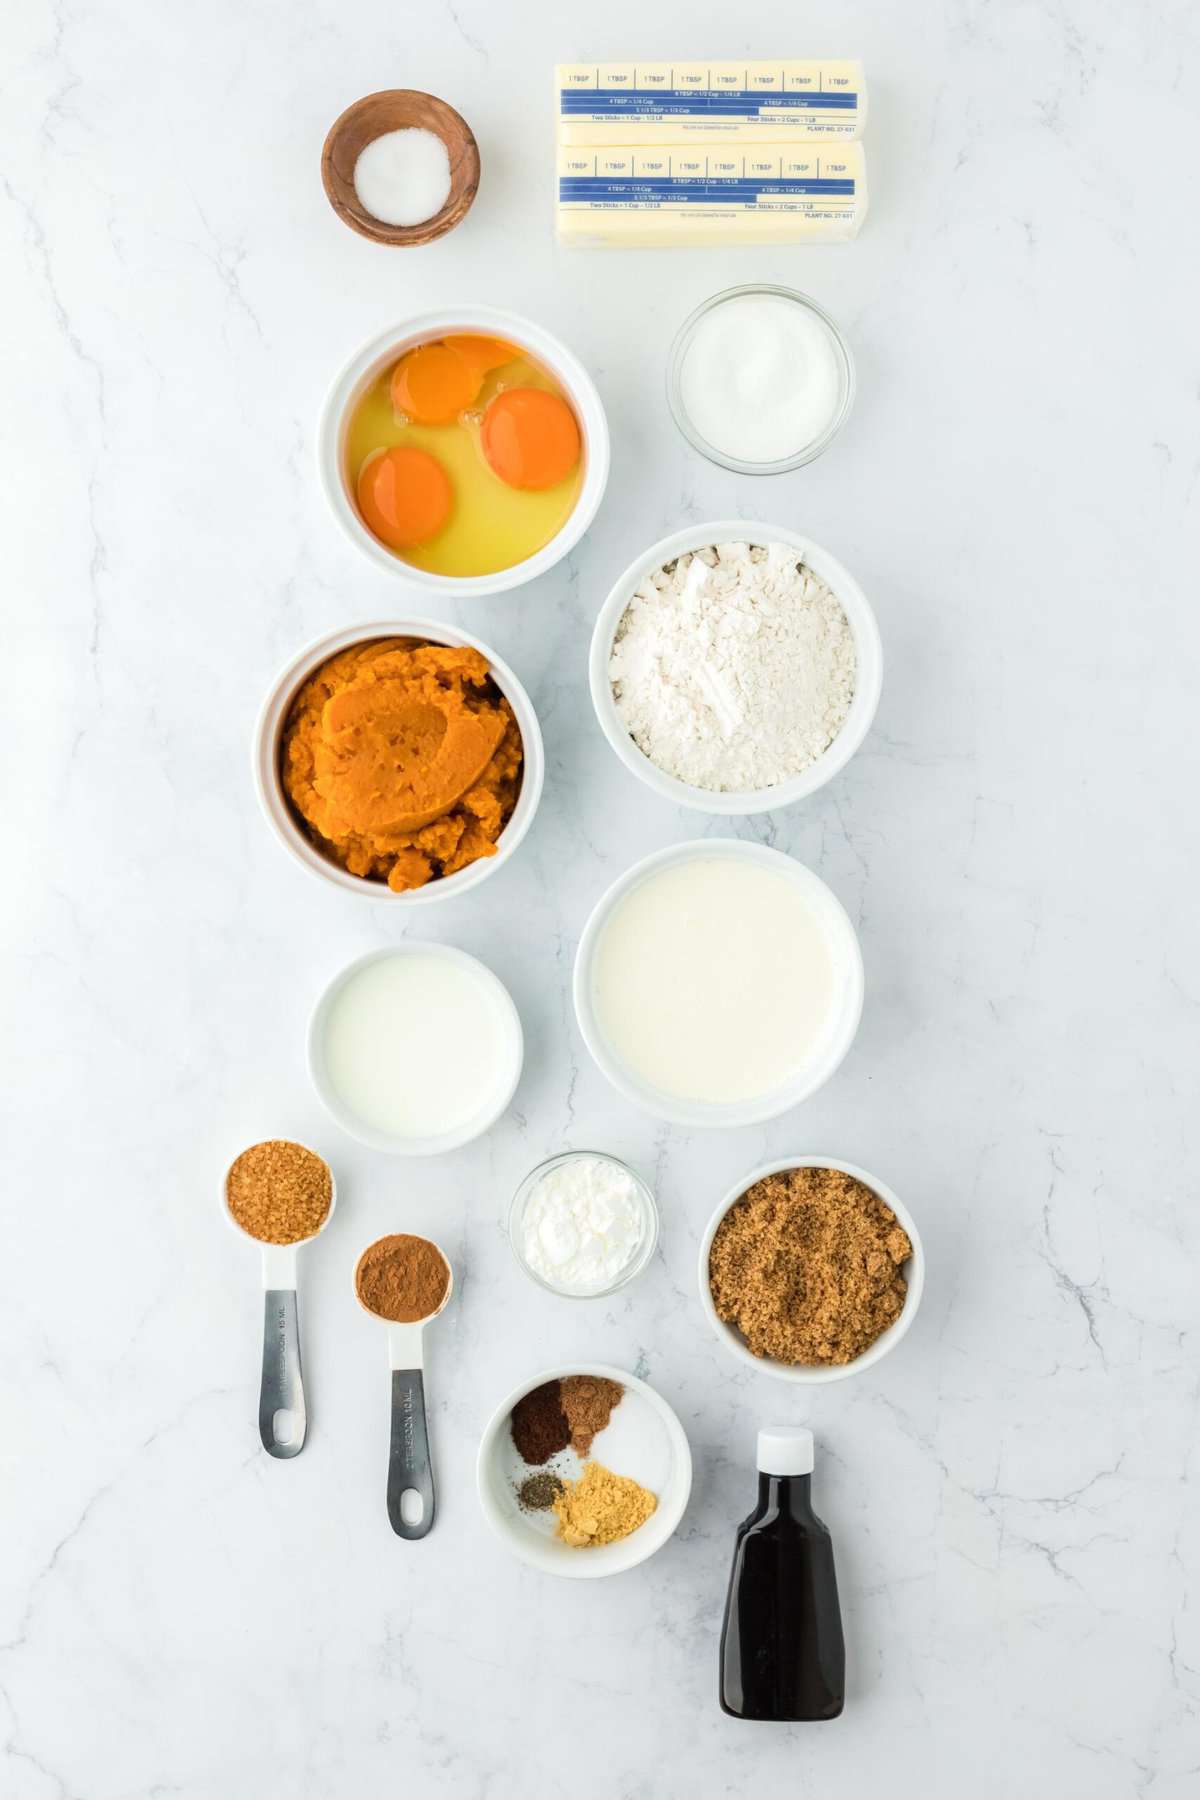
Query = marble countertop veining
x=1013 y=1494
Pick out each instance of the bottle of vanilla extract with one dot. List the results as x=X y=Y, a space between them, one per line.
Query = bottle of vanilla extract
x=782 y=1652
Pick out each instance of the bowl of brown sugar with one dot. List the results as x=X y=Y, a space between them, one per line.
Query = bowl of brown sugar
x=811 y=1269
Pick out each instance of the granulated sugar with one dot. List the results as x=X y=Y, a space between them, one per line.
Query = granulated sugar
x=733 y=668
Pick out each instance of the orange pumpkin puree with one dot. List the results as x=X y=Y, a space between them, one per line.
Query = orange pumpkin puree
x=403 y=760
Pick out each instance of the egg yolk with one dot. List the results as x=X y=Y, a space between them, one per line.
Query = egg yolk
x=482 y=353
x=404 y=496
x=530 y=438
x=433 y=384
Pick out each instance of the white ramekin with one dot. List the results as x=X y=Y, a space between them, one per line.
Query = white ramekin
x=807 y=1373
x=867 y=646
x=549 y=1553
x=491 y=1108
x=367 y=364
x=268 y=734
x=848 y=975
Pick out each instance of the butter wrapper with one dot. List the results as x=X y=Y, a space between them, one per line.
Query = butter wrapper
x=680 y=196
x=715 y=103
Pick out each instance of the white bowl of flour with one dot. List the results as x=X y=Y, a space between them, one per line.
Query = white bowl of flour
x=736 y=667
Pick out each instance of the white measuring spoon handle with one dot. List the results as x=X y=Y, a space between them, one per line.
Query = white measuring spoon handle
x=282 y=1417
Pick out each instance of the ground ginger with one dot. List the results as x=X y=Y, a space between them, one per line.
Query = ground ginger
x=601 y=1508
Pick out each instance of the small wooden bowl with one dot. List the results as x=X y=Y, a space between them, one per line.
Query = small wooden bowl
x=396 y=109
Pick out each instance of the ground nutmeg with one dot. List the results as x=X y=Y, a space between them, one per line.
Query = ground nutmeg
x=588 y=1401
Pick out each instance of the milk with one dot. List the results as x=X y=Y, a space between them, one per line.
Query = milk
x=416 y=1045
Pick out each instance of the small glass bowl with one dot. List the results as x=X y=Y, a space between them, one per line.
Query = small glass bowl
x=649 y=1224
x=808 y=452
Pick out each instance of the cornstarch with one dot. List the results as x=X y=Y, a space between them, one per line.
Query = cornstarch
x=733 y=668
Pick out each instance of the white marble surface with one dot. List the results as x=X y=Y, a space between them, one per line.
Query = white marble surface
x=180 y=1615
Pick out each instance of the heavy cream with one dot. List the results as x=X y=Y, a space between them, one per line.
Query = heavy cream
x=713 y=980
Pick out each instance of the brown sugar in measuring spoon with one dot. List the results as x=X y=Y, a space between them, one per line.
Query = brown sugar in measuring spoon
x=406 y=1281
x=281 y=1196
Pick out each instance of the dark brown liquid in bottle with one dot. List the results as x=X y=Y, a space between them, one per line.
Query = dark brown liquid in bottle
x=782 y=1651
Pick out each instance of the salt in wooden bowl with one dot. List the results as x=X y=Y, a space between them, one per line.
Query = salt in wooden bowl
x=398 y=109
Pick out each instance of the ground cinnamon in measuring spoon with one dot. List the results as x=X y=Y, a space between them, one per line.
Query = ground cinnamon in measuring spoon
x=402 y=1278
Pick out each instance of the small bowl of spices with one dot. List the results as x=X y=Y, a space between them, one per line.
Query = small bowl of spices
x=584 y=1471
x=282 y=1196
x=811 y=1269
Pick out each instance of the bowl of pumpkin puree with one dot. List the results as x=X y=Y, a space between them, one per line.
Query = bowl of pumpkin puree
x=400 y=761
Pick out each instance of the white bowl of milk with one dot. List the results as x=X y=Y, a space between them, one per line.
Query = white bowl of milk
x=416 y=1050
x=718 y=983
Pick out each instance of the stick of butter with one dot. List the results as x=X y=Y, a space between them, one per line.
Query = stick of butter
x=648 y=104
x=682 y=197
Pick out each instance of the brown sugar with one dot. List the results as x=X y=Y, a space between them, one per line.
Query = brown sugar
x=279 y=1192
x=403 y=760
x=806 y=1265
x=402 y=1278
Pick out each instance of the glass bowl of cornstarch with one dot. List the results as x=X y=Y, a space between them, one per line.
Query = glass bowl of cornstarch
x=583 y=1224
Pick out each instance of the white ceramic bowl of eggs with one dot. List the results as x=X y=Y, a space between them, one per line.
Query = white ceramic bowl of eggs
x=366 y=366
x=868 y=672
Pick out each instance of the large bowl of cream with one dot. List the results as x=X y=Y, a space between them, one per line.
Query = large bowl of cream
x=718 y=983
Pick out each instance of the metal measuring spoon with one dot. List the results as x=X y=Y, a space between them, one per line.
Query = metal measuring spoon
x=411 y=1501
x=282 y=1415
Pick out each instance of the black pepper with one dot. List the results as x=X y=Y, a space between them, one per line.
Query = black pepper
x=538 y=1492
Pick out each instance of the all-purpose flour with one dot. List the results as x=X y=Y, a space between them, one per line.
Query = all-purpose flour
x=733 y=668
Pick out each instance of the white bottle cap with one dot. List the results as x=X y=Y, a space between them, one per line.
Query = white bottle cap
x=785 y=1450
